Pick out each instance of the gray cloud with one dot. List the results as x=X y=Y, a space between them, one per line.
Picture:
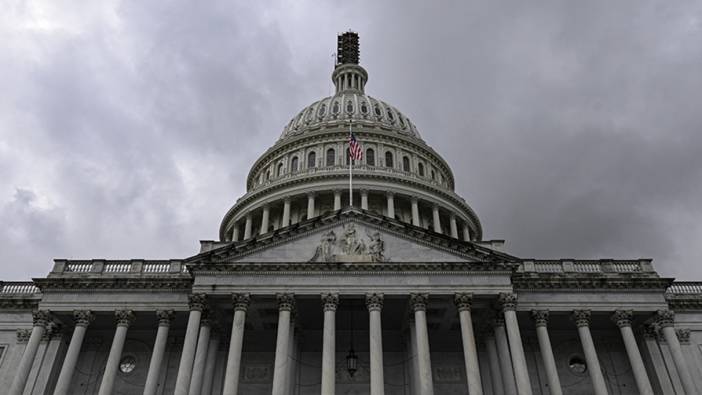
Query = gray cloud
x=127 y=129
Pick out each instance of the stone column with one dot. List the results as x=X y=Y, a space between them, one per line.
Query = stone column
x=391 y=204
x=290 y=374
x=286 y=212
x=540 y=318
x=415 y=211
x=235 y=232
x=364 y=199
x=470 y=352
x=185 y=368
x=419 y=306
x=82 y=319
x=265 y=217
x=495 y=374
x=286 y=301
x=211 y=364
x=665 y=320
x=466 y=232
x=505 y=357
x=623 y=320
x=329 y=303
x=414 y=372
x=337 y=199
x=310 y=206
x=437 y=219
x=508 y=302
x=247 y=226
x=124 y=318
x=40 y=319
x=231 y=376
x=165 y=317
x=374 y=302
x=582 y=320
x=203 y=342
x=454 y=226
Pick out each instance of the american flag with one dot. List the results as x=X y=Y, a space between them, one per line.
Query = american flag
x=355 y=150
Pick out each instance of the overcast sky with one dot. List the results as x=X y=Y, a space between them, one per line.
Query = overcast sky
x=574 y=129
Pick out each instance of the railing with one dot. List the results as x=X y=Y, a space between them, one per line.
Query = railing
x=18 y=288
x=135 y=266
x=685 y=288
x=587 y=266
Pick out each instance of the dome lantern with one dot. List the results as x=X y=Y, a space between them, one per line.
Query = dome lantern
x=348 y=75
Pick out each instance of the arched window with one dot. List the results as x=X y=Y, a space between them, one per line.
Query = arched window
x=433 y=175
x=293 y=164
x=268 y=175
x=420 y=168
x=311 y=159
x=279 y=172
x=388 y=159
x=370 y=157
x=331 y=156
x=405 y=163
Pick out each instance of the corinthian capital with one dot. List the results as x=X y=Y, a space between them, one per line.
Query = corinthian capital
x=540 y=317
x=330 y=301
x=197 y=302
x=41 y=318
x=622 y=318
x=581 y=317
x=374 y=301
x=83 y=317
x=241 y=302
x=665 y=318
x=286 y=301
x=418 y=301
x=507 y=301
x=463 y=301
x=124 y=317
x=165 y=317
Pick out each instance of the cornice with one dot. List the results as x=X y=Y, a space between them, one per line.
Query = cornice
x=305 y=268
x=580 y=281
x=151 y=283
x=684 y=302
x=20 y=303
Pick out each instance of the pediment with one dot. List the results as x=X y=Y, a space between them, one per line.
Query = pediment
x=352 y=237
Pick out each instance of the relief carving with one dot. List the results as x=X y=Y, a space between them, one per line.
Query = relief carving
x=350 y=247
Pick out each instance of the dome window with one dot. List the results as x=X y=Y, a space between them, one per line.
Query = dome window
x=335 y=108
x=279 y=172
x=433 y=175
x=391 y=116
x=420 y=169
x=349 y=107
x=308 y=116
x=402 y=122
x=370 y=157
x=331 y=156
x=364 y=108
x=322 y=110
x=268 y=175
x=388 y=159
x=311 y=160
x=378 y=111
x=293 y=164
x=405 y=164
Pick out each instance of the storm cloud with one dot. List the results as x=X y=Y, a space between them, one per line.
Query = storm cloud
x=573 y=129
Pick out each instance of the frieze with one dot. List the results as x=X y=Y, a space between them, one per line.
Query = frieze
x=425 y=268
x=75 y=284
x=19 y=303
x=589 y=281
x=684 y=302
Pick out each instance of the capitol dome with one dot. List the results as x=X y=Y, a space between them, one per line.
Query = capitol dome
x=306 y=172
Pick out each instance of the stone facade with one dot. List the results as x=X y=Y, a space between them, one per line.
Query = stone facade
x=397 y=294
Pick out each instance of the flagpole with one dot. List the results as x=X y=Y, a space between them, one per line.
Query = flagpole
x=350 y=168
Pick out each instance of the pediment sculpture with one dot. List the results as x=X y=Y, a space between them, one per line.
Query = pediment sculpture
x=350 y=247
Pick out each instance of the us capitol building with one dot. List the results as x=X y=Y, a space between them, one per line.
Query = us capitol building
x=395 y=294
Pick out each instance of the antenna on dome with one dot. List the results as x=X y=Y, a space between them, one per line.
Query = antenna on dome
x=347 y=48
